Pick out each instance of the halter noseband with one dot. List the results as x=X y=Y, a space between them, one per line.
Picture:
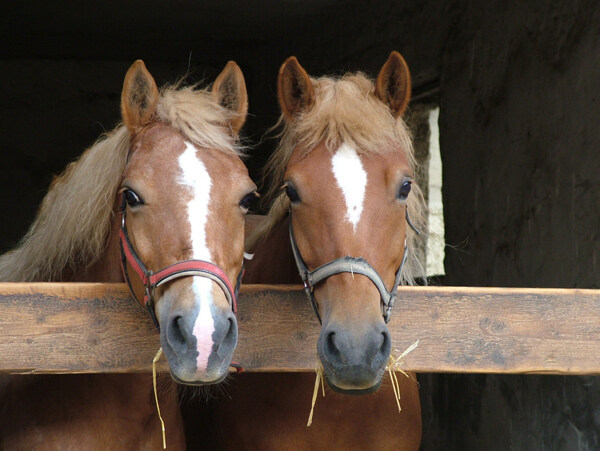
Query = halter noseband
x=185 y=268
x=354 y=265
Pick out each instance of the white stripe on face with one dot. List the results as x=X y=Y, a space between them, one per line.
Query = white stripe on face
x=195 y=176
x=352 y=179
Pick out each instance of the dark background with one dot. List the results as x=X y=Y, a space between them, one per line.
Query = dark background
x=518 y=84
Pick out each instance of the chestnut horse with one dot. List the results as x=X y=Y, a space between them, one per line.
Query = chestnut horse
x=343 y=175
x=166 y=194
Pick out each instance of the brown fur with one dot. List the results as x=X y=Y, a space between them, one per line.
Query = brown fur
x=71 y=228
x=347 y=110
x=92 y=412
x=74 y=237
x=269 y=412
x=344 y=110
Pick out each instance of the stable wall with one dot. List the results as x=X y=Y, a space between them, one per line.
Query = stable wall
x=520 y=140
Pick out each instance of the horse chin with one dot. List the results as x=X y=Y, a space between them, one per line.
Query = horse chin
x=353 y=391
x=199 y=382
x=185 y=371
x=352 y=381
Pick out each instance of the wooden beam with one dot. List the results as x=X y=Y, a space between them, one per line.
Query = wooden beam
x=74 y=327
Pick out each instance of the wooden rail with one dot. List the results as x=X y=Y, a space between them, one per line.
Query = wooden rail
x=80 y=328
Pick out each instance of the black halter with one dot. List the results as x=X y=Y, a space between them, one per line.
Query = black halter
x=354 y=265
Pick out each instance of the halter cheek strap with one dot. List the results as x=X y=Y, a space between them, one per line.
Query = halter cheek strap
x=347 y=264
x=185 y=268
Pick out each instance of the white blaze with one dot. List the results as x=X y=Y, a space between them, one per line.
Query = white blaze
x=352 y=179
x=196 y=177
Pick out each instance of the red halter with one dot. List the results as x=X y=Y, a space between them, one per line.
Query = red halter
x=186 y=268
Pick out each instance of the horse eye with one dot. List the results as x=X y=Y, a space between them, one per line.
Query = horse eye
x=248 y=201
x=132 y=199
x=404 y=190
x=291 y=193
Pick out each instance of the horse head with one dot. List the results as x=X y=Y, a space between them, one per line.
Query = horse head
x=348 y=179
x=185 y=192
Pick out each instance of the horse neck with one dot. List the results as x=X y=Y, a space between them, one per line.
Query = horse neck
x=273 y=260
x=107 y=268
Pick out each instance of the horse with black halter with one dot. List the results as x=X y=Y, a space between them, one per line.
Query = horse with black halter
x=345 y=213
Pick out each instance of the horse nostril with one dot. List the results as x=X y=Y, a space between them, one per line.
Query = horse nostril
x=231 y=329
x=331 y=348
x=384 y=340
x=177 y=336
x=229 y=342
x=383 y=351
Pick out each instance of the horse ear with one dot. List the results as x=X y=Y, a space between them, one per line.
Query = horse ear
x=229 y=90
x=139 y=97
x=294 y=88
x=393 y=86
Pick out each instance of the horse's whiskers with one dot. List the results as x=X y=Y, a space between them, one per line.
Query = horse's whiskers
x=205 y=392
x=393 y=366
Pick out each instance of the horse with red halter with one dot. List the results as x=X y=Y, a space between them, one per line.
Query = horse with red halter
x=159 y=202
x=345 y=214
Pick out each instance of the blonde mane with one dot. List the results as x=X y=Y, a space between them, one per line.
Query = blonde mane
x=72 y=225
x=345 y=111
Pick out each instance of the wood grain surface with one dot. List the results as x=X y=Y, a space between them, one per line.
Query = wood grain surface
x=86 y=327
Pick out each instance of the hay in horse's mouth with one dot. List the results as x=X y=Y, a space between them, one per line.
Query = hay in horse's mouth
x=162 y=423
x=318 y=381
x=393 y=366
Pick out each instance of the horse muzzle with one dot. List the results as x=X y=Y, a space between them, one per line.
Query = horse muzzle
x=200 y=351
x=354 y=360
